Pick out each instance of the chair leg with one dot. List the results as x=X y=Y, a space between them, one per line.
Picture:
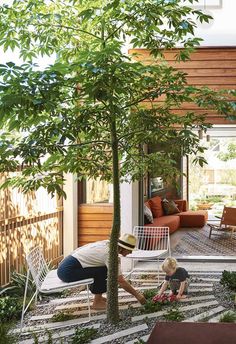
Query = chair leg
x=24 y=301
x=210 y=232
x=89 y=308
x=158 y=271
x=24 y=307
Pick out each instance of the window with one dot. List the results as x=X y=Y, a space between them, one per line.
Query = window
x=98 y=191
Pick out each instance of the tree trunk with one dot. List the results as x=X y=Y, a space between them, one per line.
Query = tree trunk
x=112 y=293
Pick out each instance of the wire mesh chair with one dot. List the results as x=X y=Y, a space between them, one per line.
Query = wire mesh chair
x=152 y=243
x=227 y=222
x=46 y=281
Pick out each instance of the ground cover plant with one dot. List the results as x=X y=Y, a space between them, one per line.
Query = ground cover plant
x=5 y=336
x=174 y=314
x=229 y=279
x=16 y=286
x=85 y=113
x=10 y=309
x=84 y=335
x=228 y=317
x=62 y=316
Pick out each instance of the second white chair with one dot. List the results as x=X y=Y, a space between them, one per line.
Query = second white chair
x=152 y=244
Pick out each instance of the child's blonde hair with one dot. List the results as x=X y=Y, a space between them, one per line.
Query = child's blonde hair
x=169 y=264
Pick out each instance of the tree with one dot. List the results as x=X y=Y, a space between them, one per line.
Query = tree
x=230 y=154
x=85 y=114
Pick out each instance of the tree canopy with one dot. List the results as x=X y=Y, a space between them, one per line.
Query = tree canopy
x=87 y=113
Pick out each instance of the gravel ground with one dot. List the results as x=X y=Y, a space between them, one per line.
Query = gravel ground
x=222 y=295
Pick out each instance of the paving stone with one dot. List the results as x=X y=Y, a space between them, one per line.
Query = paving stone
x=121 y=293
x=206 y=314
x=208 y=279
x=197 y=298
x=120 y=334
x=184 y=308
x=83 y=305
x=144 y=338
x=56 y=325
x=217 y=317
x=82 y=312
x=59 y=335
x=199 y=290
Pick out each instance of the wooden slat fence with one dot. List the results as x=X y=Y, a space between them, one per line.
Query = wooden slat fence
x=27 y=220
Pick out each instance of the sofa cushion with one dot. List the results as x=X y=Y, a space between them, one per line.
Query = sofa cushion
x=181 y=204
x=171 y=221
x=156 y=206
x=169 y=207
x=148 y=217
x=195 y=218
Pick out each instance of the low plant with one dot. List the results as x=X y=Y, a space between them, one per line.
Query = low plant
x=17 y=283
x=151 y=307
x=229 y=317
x=174 y=314
x=10 y=309
x=5 y=335
x=84 y=335
x=140 y=341
x=228 y=279
x=149 y=293
x=49 y=340
x=61 y=316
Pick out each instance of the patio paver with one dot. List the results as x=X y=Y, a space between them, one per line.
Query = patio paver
x=119 y=334
x=205 y=314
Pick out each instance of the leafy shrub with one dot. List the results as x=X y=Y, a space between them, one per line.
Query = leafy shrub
x=229 y=317
x=174 y=315
x=17 y=284
x=149 y=293
x=84 y=335
x=10 y=308
x=5 y=336
x=61 y=316
x=229 y=279
x=151 y=307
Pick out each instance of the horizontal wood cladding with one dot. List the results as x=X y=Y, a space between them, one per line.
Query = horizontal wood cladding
x=94 y=222
x=212 y=67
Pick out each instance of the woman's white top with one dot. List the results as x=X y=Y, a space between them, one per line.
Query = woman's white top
x=94 y=254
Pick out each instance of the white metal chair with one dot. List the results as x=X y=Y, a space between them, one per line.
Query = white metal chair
x=47 y=281
x=152 y=243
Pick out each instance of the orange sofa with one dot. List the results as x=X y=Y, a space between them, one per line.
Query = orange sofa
x=185 y=218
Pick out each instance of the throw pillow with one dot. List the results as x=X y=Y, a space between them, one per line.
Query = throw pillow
x=170 y=207
x=147 y=214
x=156 y=206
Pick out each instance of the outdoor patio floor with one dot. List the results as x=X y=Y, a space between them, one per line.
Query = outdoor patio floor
x=201 y=298
x=196 y=242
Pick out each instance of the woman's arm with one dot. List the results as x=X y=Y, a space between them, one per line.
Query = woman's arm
x=128 y=287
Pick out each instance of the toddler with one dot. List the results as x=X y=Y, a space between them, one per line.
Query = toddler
x=176 y=277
